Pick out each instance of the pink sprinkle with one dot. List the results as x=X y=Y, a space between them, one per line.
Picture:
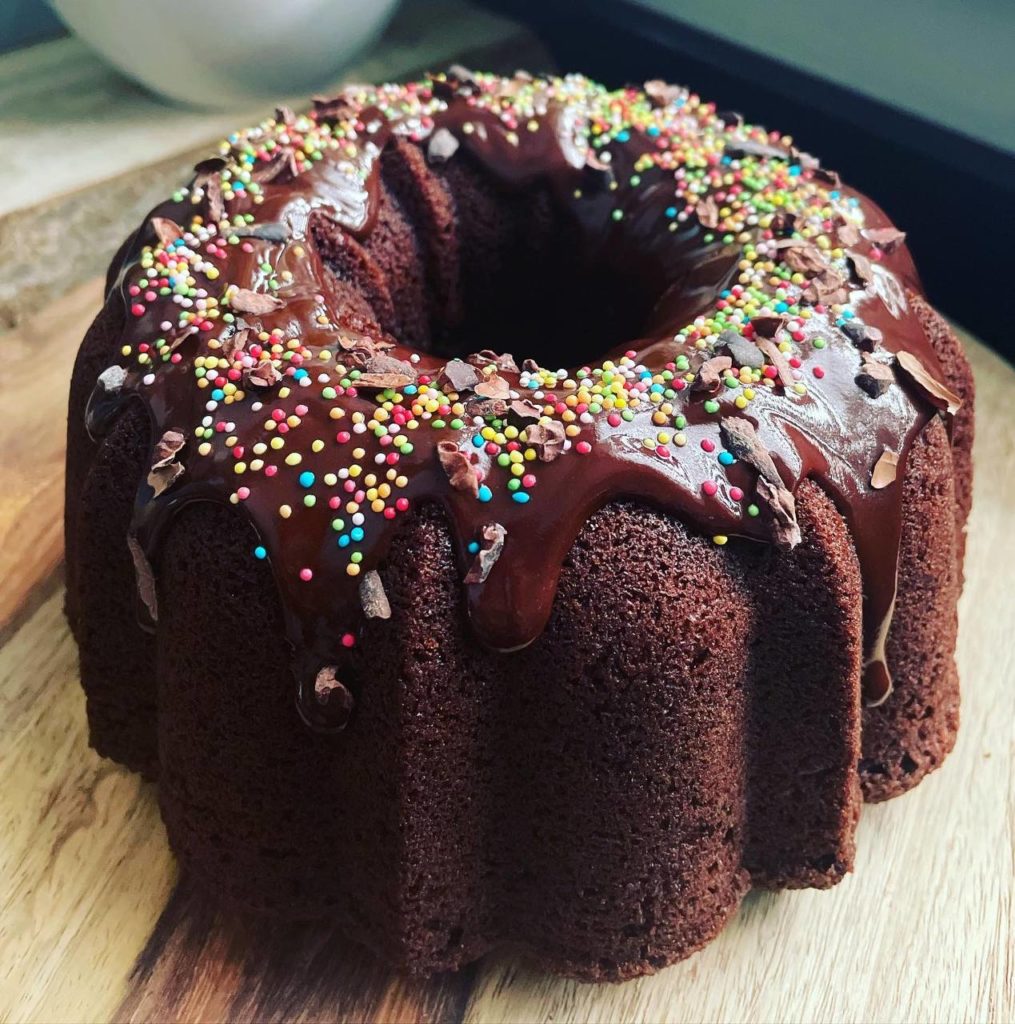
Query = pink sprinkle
x=348 y=640
x=243 y=493
x=707 y=445
x=583 y=448
x=306 y=575
x=334 y=501
x=614 y=419
x=710 y=487
x=137 y=309
x=528 y=480
x=342 y=436
x=818 y=372
x=389 y=513
x=736 y=494
x=301 y=410
x=270 y=470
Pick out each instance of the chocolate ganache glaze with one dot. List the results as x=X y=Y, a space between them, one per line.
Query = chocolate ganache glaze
x=780 y=347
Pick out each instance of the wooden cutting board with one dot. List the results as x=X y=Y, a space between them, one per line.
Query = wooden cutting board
x=95 y=923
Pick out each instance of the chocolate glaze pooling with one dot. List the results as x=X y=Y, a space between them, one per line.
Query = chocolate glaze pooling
x=833 y=434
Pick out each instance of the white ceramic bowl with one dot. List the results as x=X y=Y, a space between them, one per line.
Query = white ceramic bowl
x=216 y=53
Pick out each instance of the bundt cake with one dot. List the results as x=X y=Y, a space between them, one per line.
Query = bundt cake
x=423 y=634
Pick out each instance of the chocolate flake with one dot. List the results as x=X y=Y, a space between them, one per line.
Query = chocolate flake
x=208 y=179
x=441 y=147
x=167 y=231
x=737 y=148
x=461 y=472
x=709 y=376
x=493 y=386
x=144 y=577
x=373 y=598
x=861 y=267
x=382 y=372
x=234 y=342
x=282 y=164
x=660 y=93
x=505 y=362
x=933 y=389
x=165 y=470
x=847 y=234
x=112 y=379
x=458 y=376
x=707 y=211
x=246 y=301
x=778 y=360
x=740 y=437
x=270 y=231
x=264 y=375
x=330 y=692
x=801 y=256
x=521 y=411
x=782 y=505
x=491 y=544
x=827 y=287
x=886 y=239
x=547 y=438
x=743 y=350
x=862 y=335
x=885 y=470
x=875 y=377
x=768 y=325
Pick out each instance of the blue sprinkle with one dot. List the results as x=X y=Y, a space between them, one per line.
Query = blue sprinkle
x=726 y=458
x=477 y=441
x=794 y=171
x=485 y=494
x=834 y=195
x=671 y=212
x=410 y=389
x=343 y=541
x=307 y=478
x=652 y=130
x=623 y=136
x=356 y=533
x=300 y=374
x=781 y=307
x=218 y=394
x=520 y=496
x=260 y=552
x=473 y=547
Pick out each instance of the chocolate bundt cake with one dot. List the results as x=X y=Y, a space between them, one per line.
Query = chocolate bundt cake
x=422 y=633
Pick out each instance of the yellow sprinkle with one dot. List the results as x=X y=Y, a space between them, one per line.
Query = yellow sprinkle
x=352 y=569
x=285 y=511
x=719 y=539
x=293 y=459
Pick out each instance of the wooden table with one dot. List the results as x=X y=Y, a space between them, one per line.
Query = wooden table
x=95 y=923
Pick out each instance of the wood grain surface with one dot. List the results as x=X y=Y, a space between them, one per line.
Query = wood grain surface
x=96 y=925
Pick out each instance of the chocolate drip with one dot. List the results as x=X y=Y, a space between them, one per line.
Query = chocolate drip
x=833 y=434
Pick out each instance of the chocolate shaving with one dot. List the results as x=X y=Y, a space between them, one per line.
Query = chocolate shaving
x=270 y=231
x=382 y=371
x=505 y=362
x=165 y=469
x=245 y=301
x=493 y=386
x=885 y=470
x=167 y=231
x=208 y=179
x=365 y=344
x=329 y=691
x=875 y=377
x=778 y=360
x=827 y=287
x=828 y=177
x=332 y=108
x=743 y=350
x=707 y=211
x=282 y=162
x=144 y=577
x=784 y=223
x=488 y=408
x=847 y=234
x=862 y=335
x=802 y=257
x=737 y=148
x=530 y=366
x=234 y=342
x=373 y=598
x=939 y=395
x=886 y=239
x=782 y=505
x=491 y=545
x=768 y=325
x=731 y=118
x=458 y=376
x=861 y=267
x=547 y=439
x=710 y=376
x=459 y=468
x=264 y=375
x=741 y=439
x=662 y=94
x=111 y=379
x=441 y=147
x=521 y=411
